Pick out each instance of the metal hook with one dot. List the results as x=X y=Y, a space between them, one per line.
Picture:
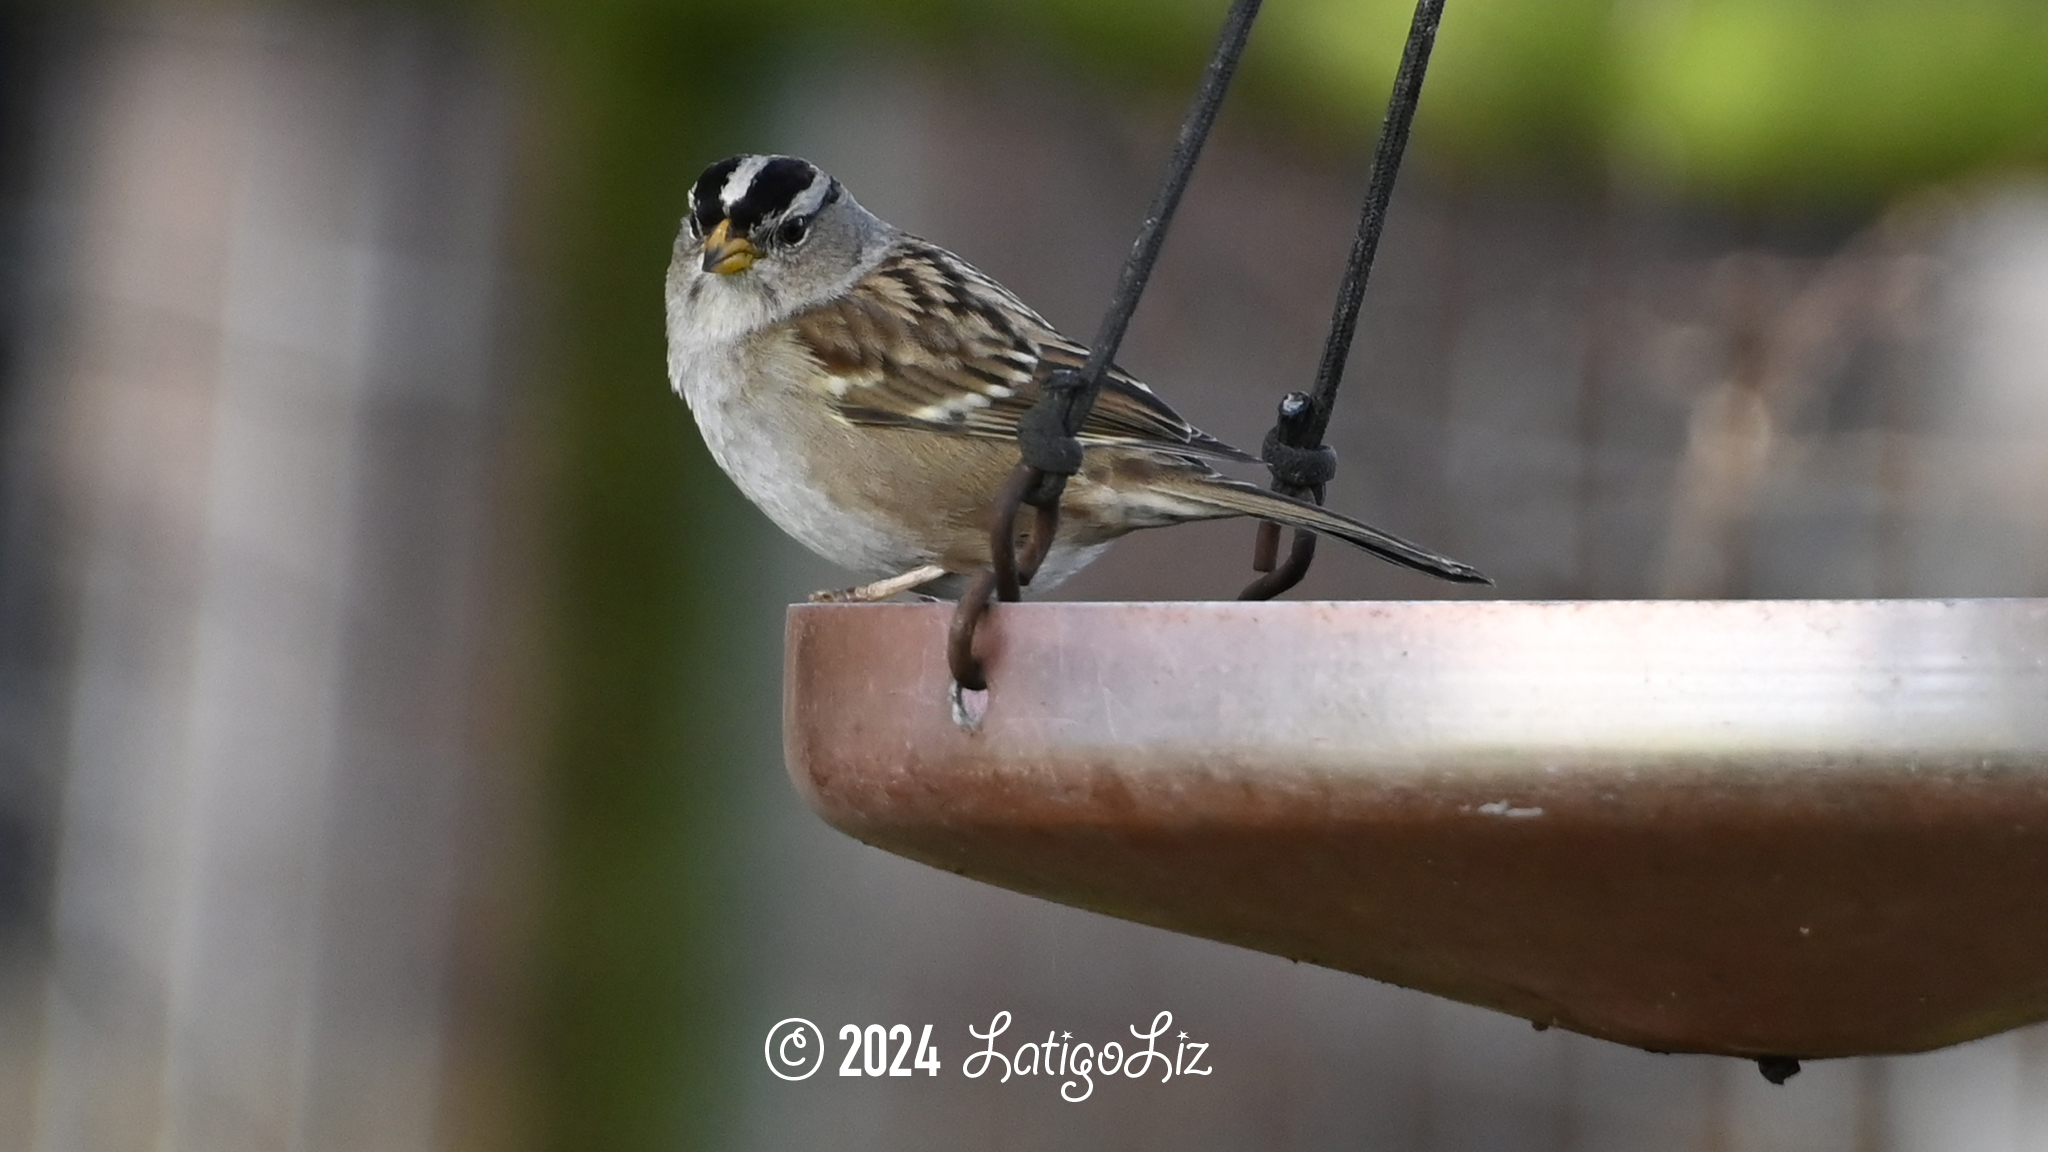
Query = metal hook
x=1006 y=575
x=1305 y=417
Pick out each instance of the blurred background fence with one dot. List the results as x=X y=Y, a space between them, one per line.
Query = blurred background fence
x=388 y=684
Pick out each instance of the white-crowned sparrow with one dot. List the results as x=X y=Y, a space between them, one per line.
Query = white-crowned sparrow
x=863 y=387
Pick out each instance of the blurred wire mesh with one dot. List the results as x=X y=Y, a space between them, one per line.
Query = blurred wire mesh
x=270 y=868
x=253 y=427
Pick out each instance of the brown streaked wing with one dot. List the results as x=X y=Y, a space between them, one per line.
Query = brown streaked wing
x=975 y=375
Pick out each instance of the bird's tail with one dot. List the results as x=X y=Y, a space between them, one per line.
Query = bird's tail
x=1236 y=498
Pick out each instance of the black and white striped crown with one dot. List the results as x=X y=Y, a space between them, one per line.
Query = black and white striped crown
x=747 y=190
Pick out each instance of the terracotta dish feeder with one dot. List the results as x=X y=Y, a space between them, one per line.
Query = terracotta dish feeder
x=1765 y=829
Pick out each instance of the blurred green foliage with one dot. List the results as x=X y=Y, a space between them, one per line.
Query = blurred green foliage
x=1742 y=99
x=1834 y=100
x=1750 y=100
x=648 y=666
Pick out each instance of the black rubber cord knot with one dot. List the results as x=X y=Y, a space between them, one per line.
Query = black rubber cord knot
x=1299 y=468
x=1295 y=467
x=1044 y=441
x=1042 y=435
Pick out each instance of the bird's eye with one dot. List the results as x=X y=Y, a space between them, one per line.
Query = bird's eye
x=792 y=231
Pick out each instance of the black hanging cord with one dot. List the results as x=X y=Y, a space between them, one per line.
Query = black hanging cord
x=1046 y=437
x=1047 y=433
x=1294 y=449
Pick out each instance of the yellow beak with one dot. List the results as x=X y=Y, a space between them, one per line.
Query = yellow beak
x=725 y=253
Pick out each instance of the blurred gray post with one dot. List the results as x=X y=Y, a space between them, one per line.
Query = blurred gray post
x=273 y=416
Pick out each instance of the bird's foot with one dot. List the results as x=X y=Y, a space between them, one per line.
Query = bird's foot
x=881 y=589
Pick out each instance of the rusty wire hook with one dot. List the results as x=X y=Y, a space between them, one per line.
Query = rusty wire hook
x=1300 y=468
x=1297 y=437
x=1047 y=435
x=1006 y=576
